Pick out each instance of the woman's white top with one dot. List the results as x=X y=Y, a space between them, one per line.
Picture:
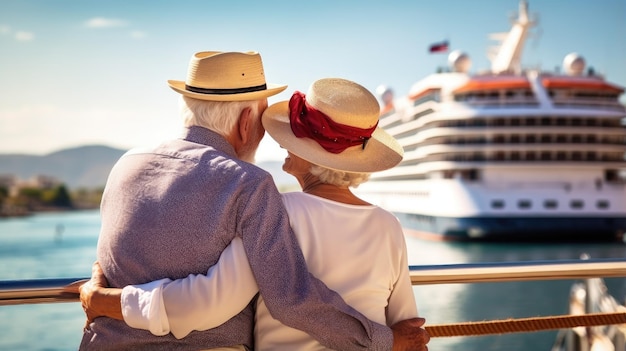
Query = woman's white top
x=358 y=251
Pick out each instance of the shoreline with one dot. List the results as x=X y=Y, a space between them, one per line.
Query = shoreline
x=23 y=212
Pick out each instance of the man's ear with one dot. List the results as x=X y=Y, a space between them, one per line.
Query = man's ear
x=245 y=125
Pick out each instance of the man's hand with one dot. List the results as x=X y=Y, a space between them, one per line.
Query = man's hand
x=97 y=299
x=89 y=289
x=408 y=335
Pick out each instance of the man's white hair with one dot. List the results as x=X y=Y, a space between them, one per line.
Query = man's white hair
x=218 y=116
x=339 y=178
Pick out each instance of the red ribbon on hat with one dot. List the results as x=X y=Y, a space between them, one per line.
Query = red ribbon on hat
x=308 y=122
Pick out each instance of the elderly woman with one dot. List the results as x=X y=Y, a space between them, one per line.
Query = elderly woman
x=355 y=248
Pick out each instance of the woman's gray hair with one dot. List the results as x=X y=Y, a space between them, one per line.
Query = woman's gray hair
x=218 y=116
x=339 y=178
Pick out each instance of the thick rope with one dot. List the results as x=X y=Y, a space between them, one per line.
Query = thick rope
x=525 y=324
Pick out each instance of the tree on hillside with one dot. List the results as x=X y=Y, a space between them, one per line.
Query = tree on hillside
x=57 y=197
x=28 y=197
x=4 y=194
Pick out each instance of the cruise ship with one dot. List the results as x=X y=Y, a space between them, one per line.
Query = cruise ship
x=507 y=154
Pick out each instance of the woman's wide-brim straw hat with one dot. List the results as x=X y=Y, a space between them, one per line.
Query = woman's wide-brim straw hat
x=346 y=103
x=226 y=76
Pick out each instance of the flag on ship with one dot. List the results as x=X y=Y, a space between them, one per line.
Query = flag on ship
x=439 y=47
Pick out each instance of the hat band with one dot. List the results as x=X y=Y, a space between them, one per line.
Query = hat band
x=225 y=91
x=307 y=121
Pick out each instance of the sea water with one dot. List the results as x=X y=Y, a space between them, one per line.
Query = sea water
x=63 y=245
x=47 y=245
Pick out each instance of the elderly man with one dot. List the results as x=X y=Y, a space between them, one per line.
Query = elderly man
x=170 y=211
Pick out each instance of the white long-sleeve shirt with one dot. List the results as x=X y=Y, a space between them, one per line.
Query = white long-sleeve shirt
x=358 y=251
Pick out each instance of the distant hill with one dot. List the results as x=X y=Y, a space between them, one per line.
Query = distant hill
x=85 y=166
x=89 y=166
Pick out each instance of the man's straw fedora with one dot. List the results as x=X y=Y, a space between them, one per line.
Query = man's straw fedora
x=344 y=103
x=226 y=76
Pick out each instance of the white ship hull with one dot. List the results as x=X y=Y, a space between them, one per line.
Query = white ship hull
x=451 y=209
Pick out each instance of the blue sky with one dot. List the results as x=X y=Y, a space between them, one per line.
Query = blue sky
x=77 y=72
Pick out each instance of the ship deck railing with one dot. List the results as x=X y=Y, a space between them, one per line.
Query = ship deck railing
x=609 y=104
x=496 y=102
x=54 y=290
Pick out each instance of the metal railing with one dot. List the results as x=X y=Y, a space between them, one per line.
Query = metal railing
x=518 y=271
x=15 y=292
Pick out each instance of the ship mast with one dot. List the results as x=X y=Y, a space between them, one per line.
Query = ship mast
x=509 y=54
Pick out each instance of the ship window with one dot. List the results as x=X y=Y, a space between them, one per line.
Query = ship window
x=471 y=174
x=545 y=138
x=611 y=175
x=551 y=204
x=603 y=204
x=478 y=157
x=515 y=156
x=545 y=121
x=531 y=122
x=577 y=156
x=561 y=156
x=561 y=138
x=577 y=204
x=498 y=204
x=591 y=155
x=515 y=139
x=613 y=140
x=530 y=139
x=576 y=122
x=524 y=204
x=530 y=155
x=577 y=139
x=546 y=156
